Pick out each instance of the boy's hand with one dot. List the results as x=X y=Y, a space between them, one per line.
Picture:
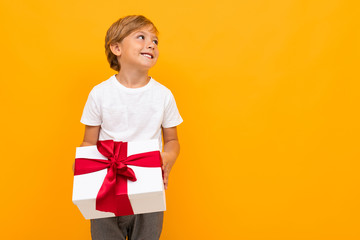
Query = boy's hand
x=168 y=160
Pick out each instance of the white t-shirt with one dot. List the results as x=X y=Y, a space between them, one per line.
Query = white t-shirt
x=130 y=114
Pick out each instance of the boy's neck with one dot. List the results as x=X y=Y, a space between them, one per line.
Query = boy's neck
x=133 y=79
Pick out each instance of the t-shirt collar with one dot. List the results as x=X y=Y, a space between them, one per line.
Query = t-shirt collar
x=139 y=89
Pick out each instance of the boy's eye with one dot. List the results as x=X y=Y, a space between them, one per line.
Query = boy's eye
x=143 y=37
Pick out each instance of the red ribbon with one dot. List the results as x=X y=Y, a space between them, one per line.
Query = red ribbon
x=112 y=196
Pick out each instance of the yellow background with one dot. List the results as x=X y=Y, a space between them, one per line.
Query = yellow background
x=269 y=94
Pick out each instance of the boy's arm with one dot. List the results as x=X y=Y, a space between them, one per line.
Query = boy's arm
x=171 y=151
x=91 y=137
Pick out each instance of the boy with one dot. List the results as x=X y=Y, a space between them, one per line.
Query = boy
x=132 y=106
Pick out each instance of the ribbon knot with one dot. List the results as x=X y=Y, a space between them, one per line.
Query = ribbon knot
x=112 y=196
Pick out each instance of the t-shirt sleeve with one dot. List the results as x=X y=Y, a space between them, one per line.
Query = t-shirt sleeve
x=172 y=116
x=91 y=114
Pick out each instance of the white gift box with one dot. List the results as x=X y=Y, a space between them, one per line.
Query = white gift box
x=146 y=194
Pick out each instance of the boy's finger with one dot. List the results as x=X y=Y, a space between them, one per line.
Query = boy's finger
x=166 y=175
x=166 y=184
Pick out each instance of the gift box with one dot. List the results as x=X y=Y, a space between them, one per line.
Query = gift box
x=118 y=178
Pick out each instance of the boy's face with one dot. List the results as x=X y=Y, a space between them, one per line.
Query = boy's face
x=139 y=49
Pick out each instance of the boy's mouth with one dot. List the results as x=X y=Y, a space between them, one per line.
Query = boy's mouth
x=148 y=55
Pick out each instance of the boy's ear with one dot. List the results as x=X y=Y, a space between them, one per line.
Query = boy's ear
x=115 y=49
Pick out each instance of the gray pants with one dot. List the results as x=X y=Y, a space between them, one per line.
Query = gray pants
x=145 y=226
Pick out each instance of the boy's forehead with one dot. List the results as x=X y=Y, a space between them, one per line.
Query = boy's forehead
x=146 y=29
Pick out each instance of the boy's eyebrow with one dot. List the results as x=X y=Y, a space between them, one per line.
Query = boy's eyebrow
x=144 y=32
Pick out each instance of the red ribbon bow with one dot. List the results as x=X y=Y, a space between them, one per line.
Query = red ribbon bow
x=112 y=196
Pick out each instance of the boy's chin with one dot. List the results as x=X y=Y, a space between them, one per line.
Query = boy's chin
x=147 y=66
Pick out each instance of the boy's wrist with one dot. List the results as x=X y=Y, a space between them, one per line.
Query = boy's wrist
x=170 y=156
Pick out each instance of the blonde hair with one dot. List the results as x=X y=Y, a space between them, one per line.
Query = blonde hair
x=121 y=29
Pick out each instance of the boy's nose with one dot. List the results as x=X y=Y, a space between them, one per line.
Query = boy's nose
x=151 y=45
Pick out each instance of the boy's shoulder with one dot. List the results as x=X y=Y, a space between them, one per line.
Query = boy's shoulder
x=160 y=86
x=102 y=88
x=104 y=84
